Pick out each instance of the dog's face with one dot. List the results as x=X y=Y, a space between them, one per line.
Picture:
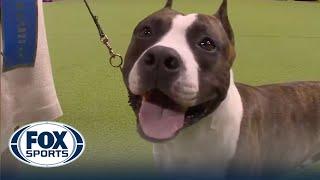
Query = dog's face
x=175 y=65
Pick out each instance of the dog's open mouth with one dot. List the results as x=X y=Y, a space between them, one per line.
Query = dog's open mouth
x=160 y=117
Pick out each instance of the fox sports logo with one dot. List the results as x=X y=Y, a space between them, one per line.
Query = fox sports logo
x=47 y=144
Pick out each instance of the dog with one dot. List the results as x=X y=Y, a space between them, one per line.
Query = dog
x=178 y=72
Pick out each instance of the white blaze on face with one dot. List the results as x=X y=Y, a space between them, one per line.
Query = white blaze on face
x=186 y=87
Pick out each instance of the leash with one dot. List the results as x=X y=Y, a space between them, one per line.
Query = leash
x=115 y=59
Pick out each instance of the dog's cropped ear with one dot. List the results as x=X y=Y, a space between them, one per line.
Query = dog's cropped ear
x=168 y=4
x=222 y=15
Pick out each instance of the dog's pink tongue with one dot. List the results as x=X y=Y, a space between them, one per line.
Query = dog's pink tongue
x=159 y=123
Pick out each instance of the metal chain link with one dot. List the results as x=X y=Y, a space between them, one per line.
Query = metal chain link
x=116 y=59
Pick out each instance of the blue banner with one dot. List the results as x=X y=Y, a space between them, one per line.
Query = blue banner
x=19 y=20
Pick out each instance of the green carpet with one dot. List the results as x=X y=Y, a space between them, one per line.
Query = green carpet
x=276 y=41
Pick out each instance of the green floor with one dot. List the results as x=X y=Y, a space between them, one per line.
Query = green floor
x=276 y=41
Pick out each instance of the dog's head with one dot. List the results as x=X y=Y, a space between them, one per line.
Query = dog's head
x=177 y=69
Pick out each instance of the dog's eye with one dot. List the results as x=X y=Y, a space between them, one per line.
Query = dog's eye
x=208 y=44
x=146 y=32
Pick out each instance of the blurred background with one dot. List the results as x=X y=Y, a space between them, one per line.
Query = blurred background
x=276 y=41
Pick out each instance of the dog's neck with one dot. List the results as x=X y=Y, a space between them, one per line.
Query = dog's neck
x=211 y=143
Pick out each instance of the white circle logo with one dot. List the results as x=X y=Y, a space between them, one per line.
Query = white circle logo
x=47 y=144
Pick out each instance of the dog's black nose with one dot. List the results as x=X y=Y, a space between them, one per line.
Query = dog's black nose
x=171 y=63
x=162 y=58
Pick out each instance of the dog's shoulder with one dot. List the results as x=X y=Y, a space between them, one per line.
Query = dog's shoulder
x=287 y=112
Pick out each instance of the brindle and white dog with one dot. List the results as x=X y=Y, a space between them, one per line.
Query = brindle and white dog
x=178 y=74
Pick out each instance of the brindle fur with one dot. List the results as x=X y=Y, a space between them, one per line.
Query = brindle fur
x=280 y=127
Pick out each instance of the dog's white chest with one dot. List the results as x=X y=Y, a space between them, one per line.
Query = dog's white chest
x=208 y=145
x=198 y=148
